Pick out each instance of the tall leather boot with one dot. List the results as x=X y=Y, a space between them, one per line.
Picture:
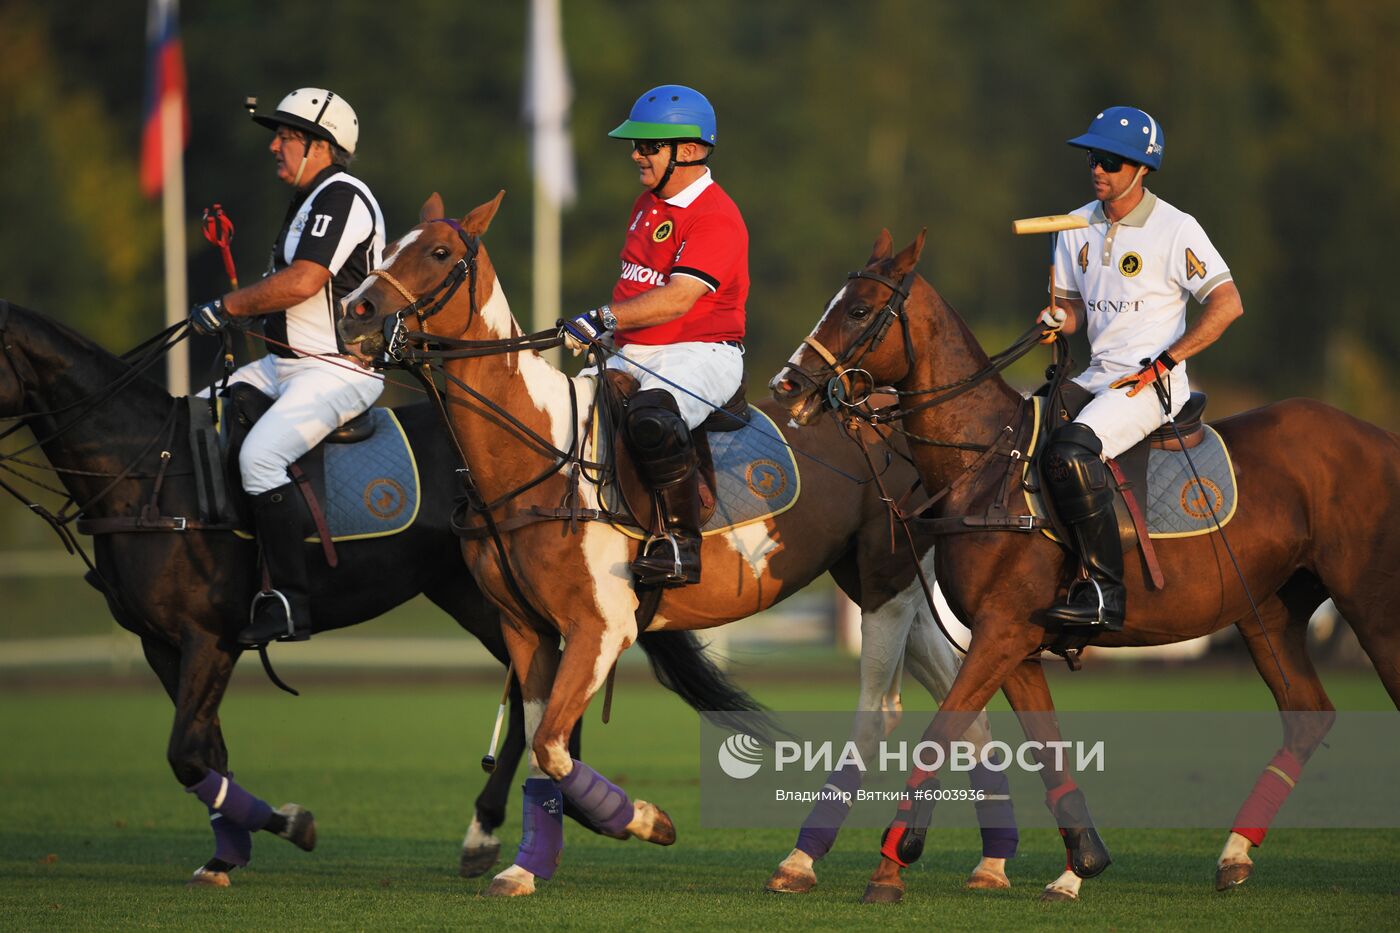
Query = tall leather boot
x=678 y=564
x=1077 y=481
x=666 y=458
x=282 y=613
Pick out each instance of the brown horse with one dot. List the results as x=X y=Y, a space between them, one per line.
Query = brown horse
x=552 y=583
x=1318 y=516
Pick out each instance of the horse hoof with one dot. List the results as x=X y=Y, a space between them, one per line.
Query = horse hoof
x=301 y=826
x=507 y=887
x=1229 y=877
x=1053 y=895
x=983 y=880
x=651 y=824
x=791 y=881
x=204 y=878
x=478 y=860
x=876 y=893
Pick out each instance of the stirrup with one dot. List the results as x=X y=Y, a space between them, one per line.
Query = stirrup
x=1100 y=623
x=677 y=574
x=291 y=632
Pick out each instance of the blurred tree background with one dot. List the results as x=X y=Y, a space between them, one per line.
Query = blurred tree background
x=1282 y=123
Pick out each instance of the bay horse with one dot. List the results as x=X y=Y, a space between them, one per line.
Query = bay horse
x=520 y=424
x=185 y=594
x=1318 y=516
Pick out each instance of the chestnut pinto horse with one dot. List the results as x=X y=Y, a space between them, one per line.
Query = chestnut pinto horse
x=1318 y=516
x=577 y=585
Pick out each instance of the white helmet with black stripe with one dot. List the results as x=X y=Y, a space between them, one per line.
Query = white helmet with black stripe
x=319 y=112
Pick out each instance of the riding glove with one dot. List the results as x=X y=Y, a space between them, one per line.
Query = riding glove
x=586 y=328
x=209 y=318
x=1051 y=319
x=1152 y=371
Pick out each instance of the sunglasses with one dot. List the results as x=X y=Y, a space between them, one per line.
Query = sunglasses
x=649 y=147
x=1107 y=160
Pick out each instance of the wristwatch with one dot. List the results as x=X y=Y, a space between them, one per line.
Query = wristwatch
x=607 y=317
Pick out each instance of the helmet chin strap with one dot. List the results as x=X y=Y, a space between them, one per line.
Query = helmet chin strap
x=671 y=167
x=1137 y=177
x=306 y=154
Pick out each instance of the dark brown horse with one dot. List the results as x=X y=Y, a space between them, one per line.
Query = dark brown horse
x=521 y=436
x=1318 y=516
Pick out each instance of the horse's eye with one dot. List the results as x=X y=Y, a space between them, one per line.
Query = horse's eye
x=859 y=311
x=442 y=252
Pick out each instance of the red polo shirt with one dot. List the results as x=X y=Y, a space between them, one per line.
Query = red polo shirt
x=698 y=233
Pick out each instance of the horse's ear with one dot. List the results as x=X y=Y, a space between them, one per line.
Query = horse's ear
x=884 y=244
x=909 y=258
x=432 y=209
x=479 y=219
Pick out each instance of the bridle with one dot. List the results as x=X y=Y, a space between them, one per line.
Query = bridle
x=847 y=383
x=431 y=302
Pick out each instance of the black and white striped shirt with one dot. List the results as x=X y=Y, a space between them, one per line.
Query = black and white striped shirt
x=337 y=224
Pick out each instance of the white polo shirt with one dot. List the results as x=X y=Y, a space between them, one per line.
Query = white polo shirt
x=1134 y=278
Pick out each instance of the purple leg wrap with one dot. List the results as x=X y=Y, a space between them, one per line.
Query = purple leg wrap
x=240 y=808
x=604 y=803
x=231 y=843
x=542 y=828
x=819 y=831
x=995 y=813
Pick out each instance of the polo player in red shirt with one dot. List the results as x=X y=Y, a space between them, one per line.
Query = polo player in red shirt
x=677 y=310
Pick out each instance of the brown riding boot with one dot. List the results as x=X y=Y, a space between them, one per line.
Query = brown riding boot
x=666 y=458
x=674 y=559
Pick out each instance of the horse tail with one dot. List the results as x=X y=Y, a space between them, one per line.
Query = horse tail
x=680 y=664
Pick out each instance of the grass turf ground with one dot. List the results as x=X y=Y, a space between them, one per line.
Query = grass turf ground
x=95 y=833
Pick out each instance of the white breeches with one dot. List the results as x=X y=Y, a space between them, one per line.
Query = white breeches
x=313 y=398
x=1120 y=422
x=711 y=371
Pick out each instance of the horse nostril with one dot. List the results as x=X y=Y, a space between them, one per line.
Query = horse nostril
x=365 y=309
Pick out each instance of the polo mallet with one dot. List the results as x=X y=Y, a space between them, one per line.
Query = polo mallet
x=488 y=760
x=218 y=230
x=1051 y=224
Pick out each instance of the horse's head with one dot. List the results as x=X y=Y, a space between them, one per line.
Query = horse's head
x=854 y=346
x=434 y=278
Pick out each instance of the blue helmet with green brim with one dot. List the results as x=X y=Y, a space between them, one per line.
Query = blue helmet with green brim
x=671 y=112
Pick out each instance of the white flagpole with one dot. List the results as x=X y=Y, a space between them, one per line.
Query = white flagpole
x=547 y=98
x=172 y=200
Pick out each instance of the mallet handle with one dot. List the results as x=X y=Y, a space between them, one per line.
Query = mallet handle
x=1047 y=224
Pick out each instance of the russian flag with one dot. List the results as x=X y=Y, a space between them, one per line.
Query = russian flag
x=165 y=90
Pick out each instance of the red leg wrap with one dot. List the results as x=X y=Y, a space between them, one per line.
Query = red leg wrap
x=1052 y=798
x=1269 y=793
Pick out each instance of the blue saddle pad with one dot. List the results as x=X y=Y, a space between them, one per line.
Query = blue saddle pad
x=756 y=476
x=1177 y=505
x=371 y=486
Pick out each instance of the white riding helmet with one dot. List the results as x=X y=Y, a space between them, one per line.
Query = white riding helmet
x=319 y=112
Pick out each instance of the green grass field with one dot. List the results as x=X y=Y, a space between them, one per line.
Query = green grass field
x=95 y=833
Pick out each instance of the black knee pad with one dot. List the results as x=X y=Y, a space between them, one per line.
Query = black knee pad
x=1072 y=459
x=654 y=424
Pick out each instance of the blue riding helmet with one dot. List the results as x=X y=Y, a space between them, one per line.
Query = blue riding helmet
x=1127 y=132
x=671 y=111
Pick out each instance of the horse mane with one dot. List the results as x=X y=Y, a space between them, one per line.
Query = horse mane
x=61 y=343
